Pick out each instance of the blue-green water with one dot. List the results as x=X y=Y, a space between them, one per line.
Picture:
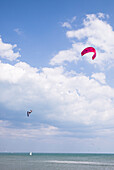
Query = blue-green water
x=23 y=161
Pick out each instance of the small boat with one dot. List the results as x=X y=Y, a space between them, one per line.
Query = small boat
x=30 y=153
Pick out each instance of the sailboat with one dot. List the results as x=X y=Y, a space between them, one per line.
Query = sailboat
x=30 y=153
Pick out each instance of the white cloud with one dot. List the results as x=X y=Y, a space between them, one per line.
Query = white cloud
x=100 y=77
x=18 y=31
x=102 y=15
x=6 y=51
x=65 y=55
x=73 y=19
x=28 y=131
x=59 y=95
x=66 y=24
x=74 y=98
x=4 y=123
x=15 y=74
x=69 y=23
x=71 y=55
x=95 y=32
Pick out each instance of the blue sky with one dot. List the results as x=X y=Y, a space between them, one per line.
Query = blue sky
x=72 y=97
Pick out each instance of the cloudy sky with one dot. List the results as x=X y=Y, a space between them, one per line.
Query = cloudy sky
x=72 y=97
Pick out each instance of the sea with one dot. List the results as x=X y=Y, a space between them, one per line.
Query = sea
x=56 y=161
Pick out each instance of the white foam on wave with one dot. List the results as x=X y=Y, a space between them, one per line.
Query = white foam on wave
x=81 y=162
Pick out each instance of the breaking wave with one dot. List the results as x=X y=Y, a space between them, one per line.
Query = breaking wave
x=81 y=163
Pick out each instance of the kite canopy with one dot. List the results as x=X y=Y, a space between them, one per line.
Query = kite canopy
x=89 y=49
x=29 y=112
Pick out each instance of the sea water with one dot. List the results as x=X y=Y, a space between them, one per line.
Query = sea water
x=45 y=161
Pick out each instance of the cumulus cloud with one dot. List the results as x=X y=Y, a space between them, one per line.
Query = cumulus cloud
x=100 y=77
x=64 y=56
x=68 y=23
x=6 y=51
x=95 y=32
x=68 y=97
x=60 y=95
